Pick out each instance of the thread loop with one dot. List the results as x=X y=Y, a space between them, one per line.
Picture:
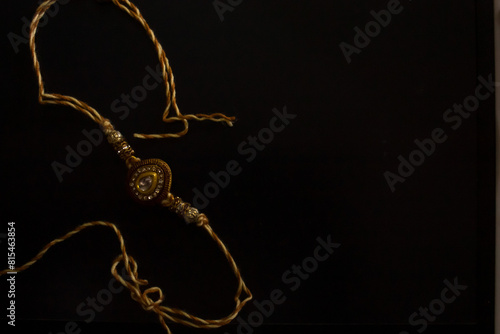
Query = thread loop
x=135 y=284
x=167 y=75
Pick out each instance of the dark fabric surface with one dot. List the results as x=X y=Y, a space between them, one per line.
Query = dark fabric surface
x=349 y=131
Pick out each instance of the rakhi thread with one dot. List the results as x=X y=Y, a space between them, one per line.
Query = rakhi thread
x=148 y=183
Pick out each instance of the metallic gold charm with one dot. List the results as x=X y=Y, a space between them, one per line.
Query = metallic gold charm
x=116 y=139
x=184 y=210
x=149 y=181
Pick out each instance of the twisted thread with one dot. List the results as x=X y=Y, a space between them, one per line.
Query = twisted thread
x=134 y=283
x=145 y=297
x=168 y=78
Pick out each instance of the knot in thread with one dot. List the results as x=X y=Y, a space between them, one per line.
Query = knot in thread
x=142 y=297
x=147 y=303
x=132 y=282
x=202 y=220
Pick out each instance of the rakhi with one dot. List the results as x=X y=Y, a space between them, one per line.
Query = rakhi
x=148 y=182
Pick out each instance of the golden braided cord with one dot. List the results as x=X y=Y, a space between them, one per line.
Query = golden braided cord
x=134 y=283
x=168 y=78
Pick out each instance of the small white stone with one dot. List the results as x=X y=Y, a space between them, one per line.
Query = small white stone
x=145 y=183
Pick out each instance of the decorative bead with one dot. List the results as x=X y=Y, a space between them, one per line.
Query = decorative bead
x=114 y=137
x=190 y=215
x=181 y=208
x=124 y=150
x=184 y=210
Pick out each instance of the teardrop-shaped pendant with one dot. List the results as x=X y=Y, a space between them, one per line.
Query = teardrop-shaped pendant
x=149 y=181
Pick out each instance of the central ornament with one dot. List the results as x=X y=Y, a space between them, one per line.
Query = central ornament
x=149 y=181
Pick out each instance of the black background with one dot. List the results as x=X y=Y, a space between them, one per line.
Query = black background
x=322 y=175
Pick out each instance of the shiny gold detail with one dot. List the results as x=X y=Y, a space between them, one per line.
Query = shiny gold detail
x=146 y=183
x=149 y=180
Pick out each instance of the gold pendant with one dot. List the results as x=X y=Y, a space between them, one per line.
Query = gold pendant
x=149 y=181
